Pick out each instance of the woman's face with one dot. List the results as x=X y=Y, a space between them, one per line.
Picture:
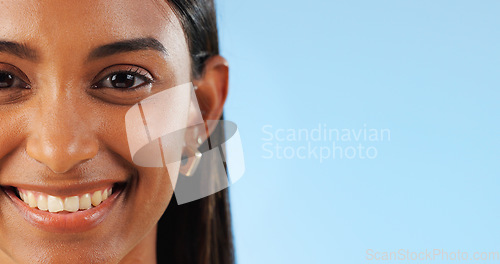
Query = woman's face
x=69 y=71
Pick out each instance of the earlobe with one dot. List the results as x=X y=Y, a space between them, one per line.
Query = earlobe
x=212 y=89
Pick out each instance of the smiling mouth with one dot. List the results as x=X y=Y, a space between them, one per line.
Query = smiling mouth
x=54 y=204
x=71 y=213
x=64 y=204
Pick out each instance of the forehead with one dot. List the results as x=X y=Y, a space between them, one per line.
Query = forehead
x=81 y=24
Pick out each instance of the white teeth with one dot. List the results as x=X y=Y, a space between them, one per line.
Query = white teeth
x=55 y=204
x=42 y=203
x=85 y=202
x=96 y=198
x=104 y=194
x=31 y=200
x=71 y=204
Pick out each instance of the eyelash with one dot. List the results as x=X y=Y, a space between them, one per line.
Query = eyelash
x=134 y=71
x=16 y=79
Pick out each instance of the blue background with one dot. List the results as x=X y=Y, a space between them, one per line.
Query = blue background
x=427 y=70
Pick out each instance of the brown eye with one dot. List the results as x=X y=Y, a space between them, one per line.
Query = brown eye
x=124 y=86
x=12 y=88
x=123 y=80
x=9 y=80
x=6 y=80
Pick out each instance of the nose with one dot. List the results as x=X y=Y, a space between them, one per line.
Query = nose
x=61 y=137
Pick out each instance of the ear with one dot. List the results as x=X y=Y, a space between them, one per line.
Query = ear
x=212 y=90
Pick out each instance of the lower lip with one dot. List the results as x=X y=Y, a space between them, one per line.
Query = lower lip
x=65 y=222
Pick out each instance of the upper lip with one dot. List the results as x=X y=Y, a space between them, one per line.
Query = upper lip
x=67 y=189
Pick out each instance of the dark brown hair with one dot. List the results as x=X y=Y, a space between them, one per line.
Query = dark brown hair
x=199 y=231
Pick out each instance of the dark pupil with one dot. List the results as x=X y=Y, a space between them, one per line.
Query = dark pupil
x=6 y=80
x=122 y=80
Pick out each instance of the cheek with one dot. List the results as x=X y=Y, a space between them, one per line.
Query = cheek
x=12 y=129
x=150 y=189
x=154 y=191
x=156 y=127
x=149 y=136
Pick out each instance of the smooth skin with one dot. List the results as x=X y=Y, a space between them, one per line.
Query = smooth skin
x=56 y=130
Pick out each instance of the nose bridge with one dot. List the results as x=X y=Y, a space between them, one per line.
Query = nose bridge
x=62 y=135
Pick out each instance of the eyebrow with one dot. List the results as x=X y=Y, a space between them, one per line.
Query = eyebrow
x=127 y=46
x=19 y=49
x=23 y=51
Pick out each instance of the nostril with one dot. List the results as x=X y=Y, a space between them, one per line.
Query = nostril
x=61 y=155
